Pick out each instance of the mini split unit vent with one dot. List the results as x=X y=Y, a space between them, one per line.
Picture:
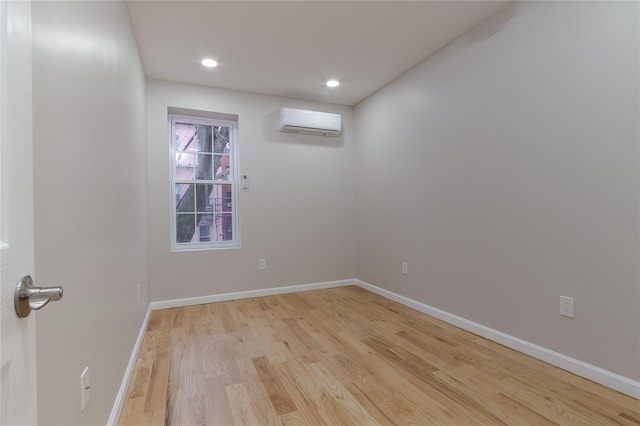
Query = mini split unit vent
x=309 y=122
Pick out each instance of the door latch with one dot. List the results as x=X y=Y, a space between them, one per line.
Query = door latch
x=28 y=297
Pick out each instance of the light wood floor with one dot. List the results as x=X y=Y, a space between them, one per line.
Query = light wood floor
x=346 y=356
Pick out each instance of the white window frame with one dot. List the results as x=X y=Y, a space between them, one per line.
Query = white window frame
x=202 y=118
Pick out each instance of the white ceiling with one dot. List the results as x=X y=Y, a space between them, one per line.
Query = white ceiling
x=291 y=48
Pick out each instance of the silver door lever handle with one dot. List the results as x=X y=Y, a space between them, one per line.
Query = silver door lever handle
x=28 y=297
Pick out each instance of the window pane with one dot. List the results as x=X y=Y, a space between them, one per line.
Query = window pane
x=185 y=196
x=221 y=140
x=204 y=135
x=193 y=166
x=193 y=137
x=226 y=226
x=203 y=171
x=206 y=228
x=204 y=197
x=185 y=137
x=222 y=198
x=226 y=198
x=222 y=166
x=185 y=159
x=185 y=227
x=221 y=228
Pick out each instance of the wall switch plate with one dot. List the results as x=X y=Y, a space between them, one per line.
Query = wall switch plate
x=566 y=306
x=262 y=264
x=85 y=387
x=405 y=268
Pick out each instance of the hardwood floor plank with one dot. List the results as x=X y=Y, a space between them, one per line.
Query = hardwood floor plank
x=293 y=419
x=368 y=388
x=132 y=412
x=323 y=345
x=632 y=416
x=241 y=408
x=176 y=397
x=345 y=356
x=224 y=312
x=299 y=347
x=383 y=417
x=157 y=394
x=140 y=383
x=271 y=309
x=192 y=370
x=546 y=405
x=219 y=409
x=264 y=411
x=402 y=359
x=517 y=413
x=277 y=393
x=342 y=396
x=303 y=400
x=427 y=407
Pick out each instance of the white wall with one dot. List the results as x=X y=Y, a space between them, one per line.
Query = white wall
x=504 y=170
x=298 y=213
x=90 y=202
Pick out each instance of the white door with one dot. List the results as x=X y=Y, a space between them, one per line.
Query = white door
x=18 y=403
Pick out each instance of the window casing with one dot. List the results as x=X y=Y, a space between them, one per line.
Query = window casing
x=204 y=184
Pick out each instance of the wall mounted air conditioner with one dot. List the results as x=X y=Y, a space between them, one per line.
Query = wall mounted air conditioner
x=309 y=122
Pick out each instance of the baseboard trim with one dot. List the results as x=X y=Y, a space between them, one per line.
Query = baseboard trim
x=612 y=380
x=248 y=294
x=122 y=393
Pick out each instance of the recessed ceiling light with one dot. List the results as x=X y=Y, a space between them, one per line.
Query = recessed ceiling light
x=333 y=83
x=209 y=63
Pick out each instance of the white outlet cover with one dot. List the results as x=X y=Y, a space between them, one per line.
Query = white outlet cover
x=85 y=387
x=566 y=306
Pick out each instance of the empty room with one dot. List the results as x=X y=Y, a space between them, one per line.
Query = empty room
x=320 y=212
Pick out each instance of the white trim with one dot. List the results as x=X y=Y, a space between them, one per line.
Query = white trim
x=122 y=393
x=165 y=304
x=612 y=380
x=234 y=153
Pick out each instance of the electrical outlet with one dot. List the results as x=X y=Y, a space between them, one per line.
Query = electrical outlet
x=85 y=387
x=262 y=264
x=405 y=268
x=566 y=306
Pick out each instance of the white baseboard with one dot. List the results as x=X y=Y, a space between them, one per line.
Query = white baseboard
x=165 y=304
x=122 y=393
x=614 y=381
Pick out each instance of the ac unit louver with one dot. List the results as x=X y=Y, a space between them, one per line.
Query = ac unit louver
x=309 y=122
